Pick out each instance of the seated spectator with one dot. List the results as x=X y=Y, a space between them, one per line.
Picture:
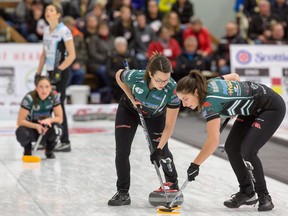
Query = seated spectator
x=77 y=8
x=277 y=35
x=222 y=54
x=35 y=23
x=196 y=29
x=98 y=48
x=144 y=35
x=91 y=23
x=78 y=69
x=23 y=10
x=115 y=62
x=184 y=9
x=172 y=21
x=113 y=8
x=280 y=8
x=189 y=60
x=123 y=26
x=250 y=8
x=260 y=24
x=166 y=45
x=98 y=10
x=153 y=15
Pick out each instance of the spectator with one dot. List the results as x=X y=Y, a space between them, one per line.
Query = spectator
x=166 y=45
x=98 y=10
x=280 y=8
x=90 y=26
x=78 y=69
x=259 y=27
x=78 y=8
x=35 y=23
x=250 y=8
x=153 y=15
x=196 y=29
x=123 y=26
x=277 y=35
x=113 y=8
x=222 y=54
x=172 y=21
x=144 y=35
x=115 y=62
x=23 y=10
x=189 y=59
x=184 y=9
x=98 y=48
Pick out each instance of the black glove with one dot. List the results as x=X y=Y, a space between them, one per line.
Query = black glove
x=193 y=171
x=156 y=156
x=55 y=76
x=36 y=77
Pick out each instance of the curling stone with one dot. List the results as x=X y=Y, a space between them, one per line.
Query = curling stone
x=157 y=197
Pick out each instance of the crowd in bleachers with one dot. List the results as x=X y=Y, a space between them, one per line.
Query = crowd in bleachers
x=108 y=31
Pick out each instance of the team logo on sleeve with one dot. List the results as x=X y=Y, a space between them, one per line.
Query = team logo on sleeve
x=25 y=103
x=139 y=90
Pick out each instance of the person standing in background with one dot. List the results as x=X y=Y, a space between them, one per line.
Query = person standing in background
x=58 y=54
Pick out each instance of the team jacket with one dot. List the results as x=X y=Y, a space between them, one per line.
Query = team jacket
x=44 y=108
x=153 y=101
x=230 y=98
x=54 y=45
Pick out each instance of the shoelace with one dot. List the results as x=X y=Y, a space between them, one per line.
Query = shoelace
x=120 y=195
x=236 y=195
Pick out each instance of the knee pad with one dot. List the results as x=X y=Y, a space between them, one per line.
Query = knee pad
x=23 y=136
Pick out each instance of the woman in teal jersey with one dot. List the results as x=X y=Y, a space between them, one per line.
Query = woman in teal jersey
x=259 y=112
x=154 y=90
x=35 y=117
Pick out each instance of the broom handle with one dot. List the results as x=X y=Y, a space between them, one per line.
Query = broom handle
x=38 y=141
x=151 y=149
x=179 y=193
x=187 y=181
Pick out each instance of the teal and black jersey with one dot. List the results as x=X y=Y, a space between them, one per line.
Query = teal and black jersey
x=153 y=101
x=44 y=108
x=230 y=98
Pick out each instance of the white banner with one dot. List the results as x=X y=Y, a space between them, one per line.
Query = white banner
x=267 y=64
x=18 y=65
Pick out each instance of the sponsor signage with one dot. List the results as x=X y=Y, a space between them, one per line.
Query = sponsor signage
x=265 y=64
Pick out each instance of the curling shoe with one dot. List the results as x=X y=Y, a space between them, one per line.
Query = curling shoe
x=120 y=198
x=241 y=198
x=265 y=202
x=63 y=147
x=50 y=155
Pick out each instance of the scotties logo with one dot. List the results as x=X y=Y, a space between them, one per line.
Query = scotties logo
x=243 y=57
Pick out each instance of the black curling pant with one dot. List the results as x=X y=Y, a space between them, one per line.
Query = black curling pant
x=126 y=125
x=246 y=138
x=26 y=135
x=61 y=88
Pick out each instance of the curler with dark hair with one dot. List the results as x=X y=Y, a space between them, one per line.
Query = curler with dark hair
x=192 y=82
x=158 y=62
